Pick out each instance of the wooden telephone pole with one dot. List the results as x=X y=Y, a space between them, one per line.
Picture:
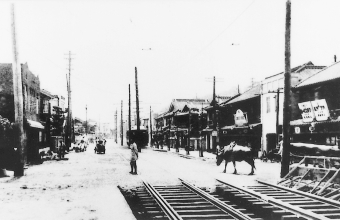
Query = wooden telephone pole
x=129 y=116
x=286 y=106
x=137 y=112
x=121 y=124
x=116 y=127
x=86 y=121
x=150 y=130
x=201 y=128
x=69 y=136
x=18 y=102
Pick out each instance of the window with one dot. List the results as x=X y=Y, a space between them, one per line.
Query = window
x=40 y=136
x=268 y=104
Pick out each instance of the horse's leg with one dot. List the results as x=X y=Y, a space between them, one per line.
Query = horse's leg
x=225 y=166
x=250 y=161
x=235 y=171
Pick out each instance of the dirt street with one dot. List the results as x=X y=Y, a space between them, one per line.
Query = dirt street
x=85 y=186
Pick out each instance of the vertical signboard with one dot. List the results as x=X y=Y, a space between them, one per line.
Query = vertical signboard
x=240 y=118
x=320 y=109
x=307 y=111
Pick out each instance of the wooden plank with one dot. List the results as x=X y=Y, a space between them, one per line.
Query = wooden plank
x=317 y=185
x=332 y=193
x=206 y=217
x=306 y=173
x=322 y=211
x=328 y=182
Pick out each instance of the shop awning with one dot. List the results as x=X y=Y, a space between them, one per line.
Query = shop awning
x=299 y=122
x=231 y=127
x=35 y=124
x=317 y=146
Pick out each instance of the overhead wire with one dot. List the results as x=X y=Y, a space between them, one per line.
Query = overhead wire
x=212 y=41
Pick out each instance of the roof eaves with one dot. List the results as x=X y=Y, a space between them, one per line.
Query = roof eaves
x=298 y=85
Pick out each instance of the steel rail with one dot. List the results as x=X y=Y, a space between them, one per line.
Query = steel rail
x=297 y=210
x=165 y=206
x=219 y=204
x=319 y=198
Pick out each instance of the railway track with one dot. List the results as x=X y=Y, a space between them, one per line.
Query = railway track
x=264 y=201
x=186 y=201
x=281 y=202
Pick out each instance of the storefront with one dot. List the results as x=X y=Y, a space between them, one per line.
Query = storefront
x=317 y=133
x=35 y=141
x=243 y=133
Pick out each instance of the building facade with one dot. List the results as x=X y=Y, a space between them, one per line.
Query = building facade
x=315 y=128
x=31 y=102
x=272 y=90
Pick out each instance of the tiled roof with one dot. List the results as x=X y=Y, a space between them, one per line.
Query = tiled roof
x=251 y=93
x=46 y=93
x=327 y=74
x=296 y=69
x=179 y=104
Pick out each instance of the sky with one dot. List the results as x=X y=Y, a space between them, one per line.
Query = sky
x=177 y=47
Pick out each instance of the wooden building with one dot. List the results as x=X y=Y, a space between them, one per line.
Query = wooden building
x=315 y=128
x=240 y=120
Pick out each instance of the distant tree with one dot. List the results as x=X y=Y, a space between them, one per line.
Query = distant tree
x=57 y=121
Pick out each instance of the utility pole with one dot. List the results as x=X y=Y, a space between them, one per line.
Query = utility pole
x=214 y=139
x=277 y=114
x=48 y=125
x=129 y=116
x=150 y=130
x=286 y=106
x=116 y=127
x=214 y=94
x=189 y=130
x=201 y=128
x=86 y=121
x=137 y=112
x=70 y=127
x=121 y=124
x=18 y=102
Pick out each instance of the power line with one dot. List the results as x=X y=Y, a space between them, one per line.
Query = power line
x=230 y=24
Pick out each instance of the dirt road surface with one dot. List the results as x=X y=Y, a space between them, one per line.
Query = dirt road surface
x=85 y=185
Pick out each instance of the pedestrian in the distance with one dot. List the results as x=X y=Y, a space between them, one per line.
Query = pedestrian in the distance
x=134 y=158
x=62 y=148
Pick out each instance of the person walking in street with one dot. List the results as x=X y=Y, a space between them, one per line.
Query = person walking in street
x=134 y=158
x=61 y=151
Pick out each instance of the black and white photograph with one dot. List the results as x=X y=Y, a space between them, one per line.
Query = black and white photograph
x=169 y=109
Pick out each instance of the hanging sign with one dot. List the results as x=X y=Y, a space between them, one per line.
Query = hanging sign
x=240 y=118
x=320 y=109
x=214 y=133
x=297 y=130
x=307 y=111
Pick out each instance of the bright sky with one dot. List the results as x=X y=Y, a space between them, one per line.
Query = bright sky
x=191 y=41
